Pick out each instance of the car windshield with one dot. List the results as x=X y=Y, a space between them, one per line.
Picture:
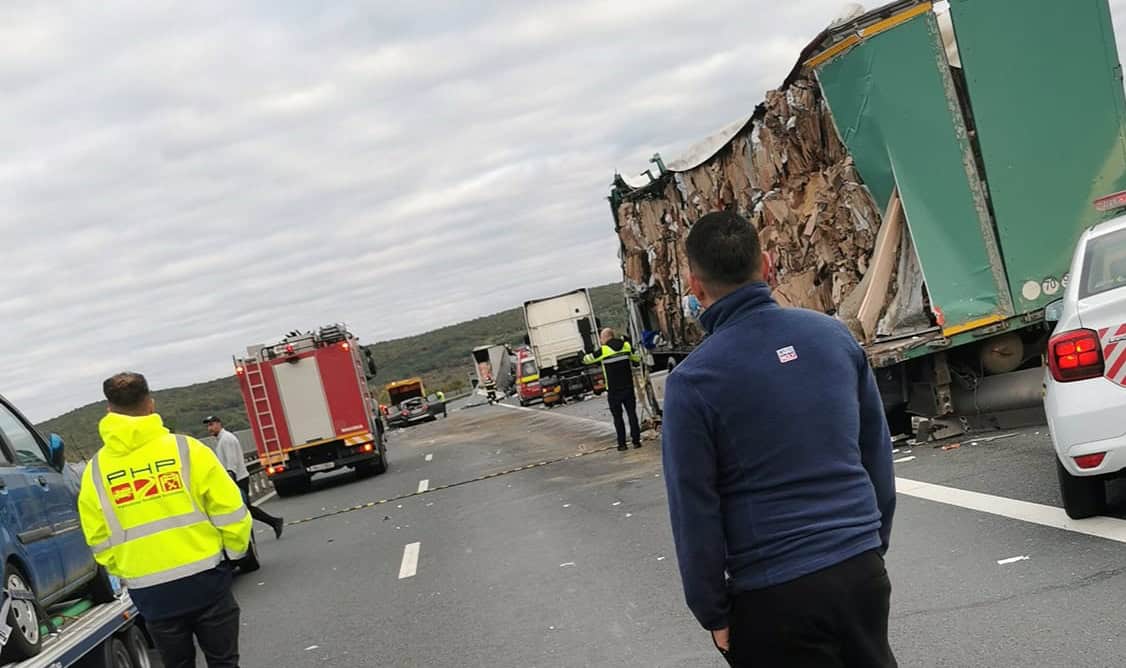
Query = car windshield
x=1104 y=267
x=412 y=403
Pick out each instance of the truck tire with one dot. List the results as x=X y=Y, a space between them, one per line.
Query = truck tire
x=100 y=588
x=249 y=563
x=292 y=486
x=1083 y=496
x=138 y=645
x=113 y=653
x=373 y=467
x=23 y=617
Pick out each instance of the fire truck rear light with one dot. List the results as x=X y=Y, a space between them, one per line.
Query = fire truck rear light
x=275 y=469
x=1075 y=355
x=368 y=447
x=1090 y=461
x=345 y=346
x=239 y=370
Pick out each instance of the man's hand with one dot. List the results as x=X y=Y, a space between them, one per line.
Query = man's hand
x=722 y=639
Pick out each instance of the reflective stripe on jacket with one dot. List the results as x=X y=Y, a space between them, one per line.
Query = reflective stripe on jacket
x=616 y=358
x=157 y=507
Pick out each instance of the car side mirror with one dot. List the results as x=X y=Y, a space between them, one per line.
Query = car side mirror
x=56 y=450
x=1053 y=311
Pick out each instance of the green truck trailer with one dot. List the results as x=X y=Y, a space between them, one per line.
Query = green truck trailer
x=981 y=132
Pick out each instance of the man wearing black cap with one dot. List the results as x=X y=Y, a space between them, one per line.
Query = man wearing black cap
x=229 y=451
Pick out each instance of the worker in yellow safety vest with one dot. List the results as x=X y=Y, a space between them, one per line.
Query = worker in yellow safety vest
x=159 y=511
x=617 y=358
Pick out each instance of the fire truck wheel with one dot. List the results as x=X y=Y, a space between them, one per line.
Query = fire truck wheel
x=292 y=486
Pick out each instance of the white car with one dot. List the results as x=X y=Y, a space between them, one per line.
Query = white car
x=1085 y=386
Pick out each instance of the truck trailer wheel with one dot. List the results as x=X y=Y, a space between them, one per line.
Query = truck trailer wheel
x=139 y=646
x=23 y=617
x=113 y=653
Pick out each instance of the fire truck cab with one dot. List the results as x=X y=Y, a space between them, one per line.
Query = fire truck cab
x=310 y=407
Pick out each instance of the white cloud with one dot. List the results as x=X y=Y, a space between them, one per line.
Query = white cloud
x=181 y=179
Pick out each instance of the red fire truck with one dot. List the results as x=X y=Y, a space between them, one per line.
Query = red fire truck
x=310 y=408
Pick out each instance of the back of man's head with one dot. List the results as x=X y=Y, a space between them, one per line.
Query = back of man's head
x=128 y=394
x=607 y=335
x=724 y=251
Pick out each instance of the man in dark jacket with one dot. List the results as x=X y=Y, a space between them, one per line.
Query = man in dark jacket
x=617 y=359
x=779 y=471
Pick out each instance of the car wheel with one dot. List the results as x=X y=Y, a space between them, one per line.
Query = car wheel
x=23 y=617
x=249 y=563
x=100 y=588
x=1083 y=496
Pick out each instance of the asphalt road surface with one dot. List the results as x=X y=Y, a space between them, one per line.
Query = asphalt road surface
x=509 y=537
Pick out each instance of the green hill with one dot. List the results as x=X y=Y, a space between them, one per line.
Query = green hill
x=440 y=356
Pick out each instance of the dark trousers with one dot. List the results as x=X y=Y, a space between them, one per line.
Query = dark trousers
x=619 y=400
x=255 y=512
x=837 y=618
x=215 y=627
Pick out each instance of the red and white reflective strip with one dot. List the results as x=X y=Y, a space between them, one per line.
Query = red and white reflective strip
x=360 y=439
x=1114 y=352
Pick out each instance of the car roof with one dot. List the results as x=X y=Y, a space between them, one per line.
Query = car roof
x=1108 y=226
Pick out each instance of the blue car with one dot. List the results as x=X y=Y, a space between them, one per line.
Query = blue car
x=41 y=542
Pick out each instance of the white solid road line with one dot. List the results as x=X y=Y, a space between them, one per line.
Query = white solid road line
x=264 y=499
x=429 y=458
x=410 y=561
x=904 y=460
x=423 y=485
x=1025 y=511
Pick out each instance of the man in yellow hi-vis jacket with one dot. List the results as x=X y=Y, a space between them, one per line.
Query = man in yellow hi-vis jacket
x=617 y=358
x=159 y=511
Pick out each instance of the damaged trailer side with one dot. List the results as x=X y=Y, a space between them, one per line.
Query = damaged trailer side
x=883 y=177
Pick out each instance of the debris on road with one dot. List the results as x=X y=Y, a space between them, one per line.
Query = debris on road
x=952 y=446
x=903 y=460
x=1012 y=560
x=990 y=439
x=566 y=565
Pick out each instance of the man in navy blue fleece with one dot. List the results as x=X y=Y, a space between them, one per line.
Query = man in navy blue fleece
x=779 y=471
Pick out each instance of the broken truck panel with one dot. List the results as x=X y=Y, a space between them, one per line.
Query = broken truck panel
x=1048 y=105
x=786 y=171
x=896 y=110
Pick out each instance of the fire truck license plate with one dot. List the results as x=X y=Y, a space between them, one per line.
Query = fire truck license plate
x=321 y=467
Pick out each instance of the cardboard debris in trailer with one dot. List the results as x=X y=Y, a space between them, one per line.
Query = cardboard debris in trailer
x=786 y=170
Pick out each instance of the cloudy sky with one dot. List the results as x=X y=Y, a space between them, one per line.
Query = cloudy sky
x=178 y=180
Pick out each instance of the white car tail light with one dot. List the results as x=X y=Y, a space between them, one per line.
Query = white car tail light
x=1075 y=355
